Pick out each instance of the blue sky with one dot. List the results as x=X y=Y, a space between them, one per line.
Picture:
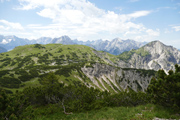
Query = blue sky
x=140 y=20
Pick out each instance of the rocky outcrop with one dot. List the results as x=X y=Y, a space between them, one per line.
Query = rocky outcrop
x=107 y=77
x=154 y=55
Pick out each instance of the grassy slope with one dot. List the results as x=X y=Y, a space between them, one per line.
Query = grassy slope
x=143 y=112
x=125 y=56
x=57 y=50
x=66 y=54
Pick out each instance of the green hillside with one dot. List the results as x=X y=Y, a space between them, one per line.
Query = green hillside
x=51 y=54
x=23 y=66
x=128 y=54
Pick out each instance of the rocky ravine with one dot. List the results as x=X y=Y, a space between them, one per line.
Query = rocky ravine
x=118 y=79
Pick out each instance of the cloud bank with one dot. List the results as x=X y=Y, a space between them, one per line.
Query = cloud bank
x=83 y=20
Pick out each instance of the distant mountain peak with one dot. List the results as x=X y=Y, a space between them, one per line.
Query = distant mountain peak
x=117 y=40
x=63 y=40
x=65 y=36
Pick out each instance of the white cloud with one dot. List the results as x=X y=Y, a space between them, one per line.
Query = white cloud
x=10 y=25
x=139 y=14
x=80 y=18
x=47 y=13
x=153 y=32
x=177 y=28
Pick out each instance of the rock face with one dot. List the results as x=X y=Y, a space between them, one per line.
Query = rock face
x=43 y=40
x=154 y=55
x=63 y=40
x=117 y=79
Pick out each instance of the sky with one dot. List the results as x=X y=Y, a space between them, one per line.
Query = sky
x=140 y=20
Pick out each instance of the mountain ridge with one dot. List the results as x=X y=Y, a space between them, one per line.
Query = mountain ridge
x=155 y=55
x=115 y=46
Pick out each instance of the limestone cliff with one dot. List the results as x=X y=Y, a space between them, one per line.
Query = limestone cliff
x=108 y=77
x=154 y=55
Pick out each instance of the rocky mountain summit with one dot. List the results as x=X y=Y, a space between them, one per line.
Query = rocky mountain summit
x=154 y=55
x=65 y=40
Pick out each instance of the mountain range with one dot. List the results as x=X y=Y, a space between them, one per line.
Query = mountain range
x=115 y=46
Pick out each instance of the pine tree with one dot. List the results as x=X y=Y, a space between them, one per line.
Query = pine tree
x=165 y=89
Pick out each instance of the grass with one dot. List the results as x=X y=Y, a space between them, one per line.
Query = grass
x=107 y=86
x=128 y=54
x=142 y=112
x=32 y=83
x=72 y=53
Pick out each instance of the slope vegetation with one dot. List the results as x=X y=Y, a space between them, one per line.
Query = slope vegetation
x=74 y=64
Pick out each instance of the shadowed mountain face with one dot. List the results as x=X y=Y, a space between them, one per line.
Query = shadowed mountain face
x=2 y=50
x=115 y=47
x=10 y=42
x=154 y=55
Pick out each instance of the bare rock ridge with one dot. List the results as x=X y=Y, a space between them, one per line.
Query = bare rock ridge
x=154 y=55
x=104 y=76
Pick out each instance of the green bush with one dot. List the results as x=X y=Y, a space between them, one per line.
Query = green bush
x=165 y=89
